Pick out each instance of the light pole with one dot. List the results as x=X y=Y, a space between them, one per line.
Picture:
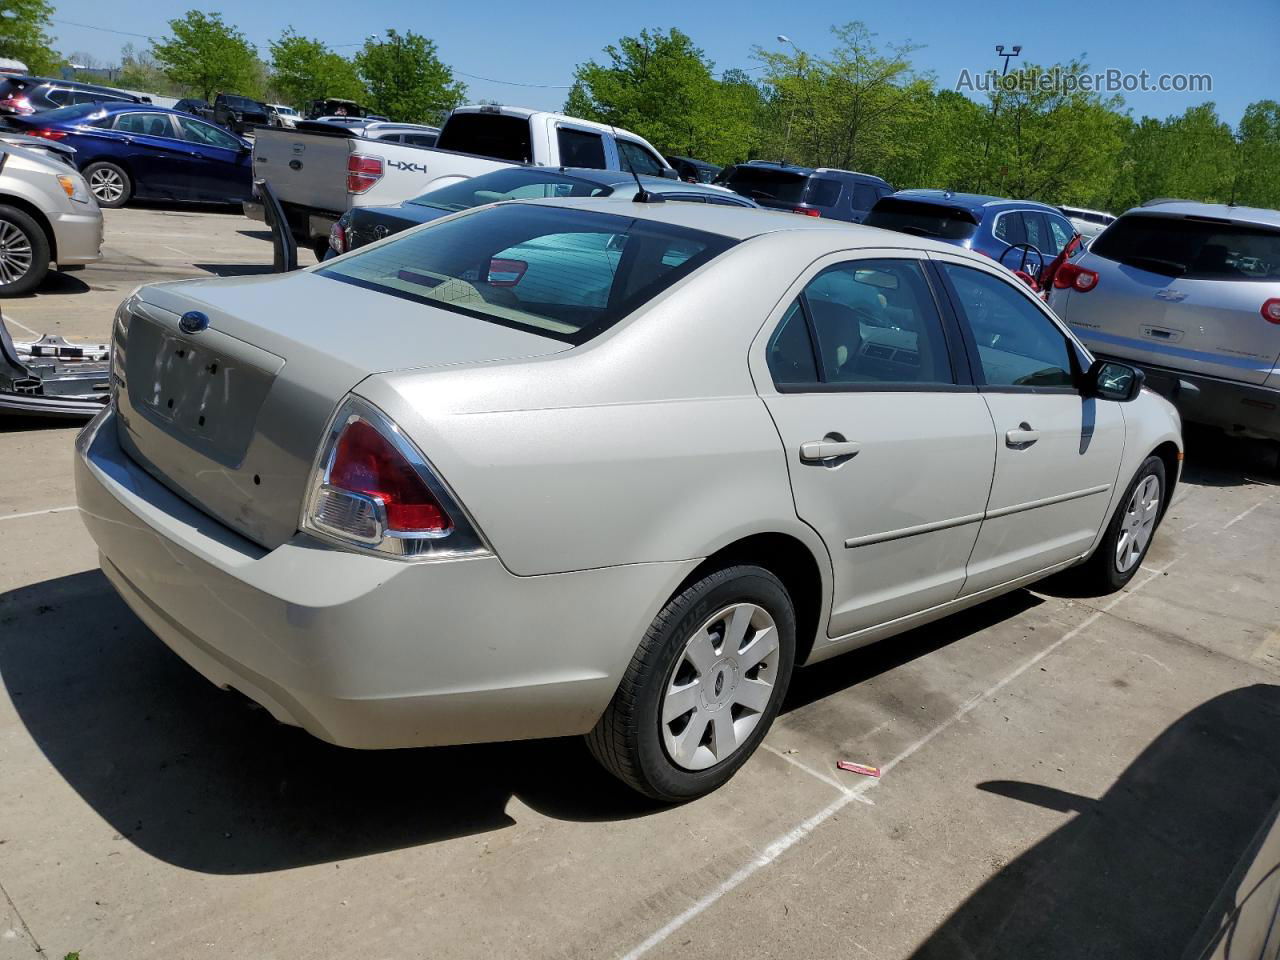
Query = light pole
x=995 y=108
x=786 y=140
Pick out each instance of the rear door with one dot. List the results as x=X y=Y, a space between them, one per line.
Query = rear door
x=889 y=448
x=1057 y=452
x=157 y=157
x=1182 y=292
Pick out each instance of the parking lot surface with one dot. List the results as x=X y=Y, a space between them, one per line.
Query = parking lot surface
x=1062 y=775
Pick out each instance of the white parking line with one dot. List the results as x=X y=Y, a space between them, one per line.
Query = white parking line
x=1240 y=516
x=9 y=321
x=36 y=513
x=789 y=839
x=816 y=774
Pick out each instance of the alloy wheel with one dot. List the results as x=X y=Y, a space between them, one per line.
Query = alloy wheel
x=1138 y=523
x=16 y=255
x=719 y=686
x=107 y=184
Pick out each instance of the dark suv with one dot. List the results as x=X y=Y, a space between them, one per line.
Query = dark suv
x=196 y=107
x=815 y=192
x=239 y=114
x=22 y=96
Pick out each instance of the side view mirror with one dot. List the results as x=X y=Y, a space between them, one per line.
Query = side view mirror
x=1110 y=380
x=670 y=174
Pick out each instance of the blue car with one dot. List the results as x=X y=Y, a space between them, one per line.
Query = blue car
x=128 y=150
x=1021 y=234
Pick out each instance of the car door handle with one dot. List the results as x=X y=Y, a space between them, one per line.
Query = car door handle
x=820 y=451
x=1021 y=437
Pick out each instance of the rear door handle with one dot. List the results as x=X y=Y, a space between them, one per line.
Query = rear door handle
x=1021 y=437
x=820 y=451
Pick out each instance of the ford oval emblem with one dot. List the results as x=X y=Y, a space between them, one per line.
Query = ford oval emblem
x=193 y=321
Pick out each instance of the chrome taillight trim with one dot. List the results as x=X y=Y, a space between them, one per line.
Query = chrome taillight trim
x=462 y=540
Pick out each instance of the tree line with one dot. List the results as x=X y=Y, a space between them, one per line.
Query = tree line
x=859 y=105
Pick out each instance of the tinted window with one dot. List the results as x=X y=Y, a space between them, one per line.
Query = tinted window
x=1061 y=232
x=763 y=183
x=636 y=158
x=864 y=196
x=822 y=192
x=562 y=273
x=146 y=124
x=922 y=219
x=790 y=350
x=420 y=139
x=1200 y=249
x=205 y=133
x=1017 y=344
x=1009 y=228
x=60 y=97
x=91 y=96
x=1037 y=231
x=511 y=184
x=492 y=135
x=876 y=322
x=581 y=148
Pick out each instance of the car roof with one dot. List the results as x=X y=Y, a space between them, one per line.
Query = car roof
x=809 y=171
x=742 y=223
x=1223 y=211
x=69 y=84
x=973 y=202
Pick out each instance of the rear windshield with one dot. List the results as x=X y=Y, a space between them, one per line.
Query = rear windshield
x=922 y=219
x=1193 y=247
x=563 y=273
x=512 y=184
x=77 y=113
x=767 y=185
x=493 y=135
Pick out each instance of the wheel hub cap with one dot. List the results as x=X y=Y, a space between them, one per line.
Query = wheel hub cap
x=720 y=685
x=1137 y=524
x=15 y=254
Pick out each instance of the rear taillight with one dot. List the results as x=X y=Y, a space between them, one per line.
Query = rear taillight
x=1076 y=277
x=338 y=237
x=374 y=490
x=17 y=104
x=1271 y=310
x=363 y=172
x=807 y=211
x=48 y=134
x=506 y=273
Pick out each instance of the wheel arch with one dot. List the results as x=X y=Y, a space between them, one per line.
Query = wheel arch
x=1171 y=456
x=36 y=214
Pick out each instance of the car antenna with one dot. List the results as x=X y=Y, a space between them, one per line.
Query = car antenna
x=642 y=195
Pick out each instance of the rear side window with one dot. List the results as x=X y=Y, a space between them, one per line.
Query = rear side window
x=147 y=124
x=1195 y=248
x=493 y=135
x=922 y=219
x=864 y=196
x=559 y=272
x=1010 y=229
x=581 y=148
x=822 y=192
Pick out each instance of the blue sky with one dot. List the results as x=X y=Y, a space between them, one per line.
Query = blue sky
x=539 y=43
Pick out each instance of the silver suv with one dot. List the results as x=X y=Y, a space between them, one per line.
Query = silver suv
x=1191 y=293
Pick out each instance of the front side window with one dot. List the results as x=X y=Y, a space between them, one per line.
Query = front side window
x=145 y=124
x=1037 y=231
x=581 y=148
x=558 y=272
x=1061 y=232
x=868 y=322
x=636 y=158
x=204 y=133
x=1018 y=346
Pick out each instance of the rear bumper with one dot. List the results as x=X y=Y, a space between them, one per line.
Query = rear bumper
x=358 y=650
x=78 y=236
x=1242 y=408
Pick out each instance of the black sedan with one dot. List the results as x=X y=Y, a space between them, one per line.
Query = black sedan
x=361 y=225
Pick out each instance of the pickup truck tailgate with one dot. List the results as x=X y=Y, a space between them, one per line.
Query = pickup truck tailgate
x=305 y=169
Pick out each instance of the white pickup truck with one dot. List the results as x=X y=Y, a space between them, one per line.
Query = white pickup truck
x=318 y=171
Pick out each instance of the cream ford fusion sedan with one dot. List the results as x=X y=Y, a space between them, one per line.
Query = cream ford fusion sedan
x=600 y=467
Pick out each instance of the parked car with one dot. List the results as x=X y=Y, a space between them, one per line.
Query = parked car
x=363 y=225
x=283 y=116
x=22 y=96
x=240 y=114
x=128 y=150
x=693 y=171
x=1190 y=292
x=47 y=216
x=196 y=107
x=1022 y=235
x=1088 y=223
x=332 y=107
x=321 y=170
x=815 y=192
x=709 y=443
x=414 y=134
x=48 y=148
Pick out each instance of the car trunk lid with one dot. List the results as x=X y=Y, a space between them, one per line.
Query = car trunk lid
x=231 y=416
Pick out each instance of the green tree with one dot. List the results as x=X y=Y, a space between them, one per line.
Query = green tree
x=304 y=69
x=1258 y=163
x=206 y=56
x=406 y=80
x=24 y=26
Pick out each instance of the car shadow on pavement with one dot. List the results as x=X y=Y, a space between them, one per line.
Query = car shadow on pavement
x=57 y=283
x=203 y=779
x=1215 y=459
x=1133 y=872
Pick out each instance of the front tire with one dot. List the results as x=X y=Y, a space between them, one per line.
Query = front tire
x=1129 y=534
x=703 y=687
x=24 y=253
x=109 y=184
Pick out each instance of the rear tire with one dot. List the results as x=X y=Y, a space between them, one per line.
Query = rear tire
x=1129 y=534
x=110 y=185
x=703 y=687
x=24 y=253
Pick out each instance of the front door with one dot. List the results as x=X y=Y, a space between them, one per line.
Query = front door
x=889 y=446
x=1057 y=451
